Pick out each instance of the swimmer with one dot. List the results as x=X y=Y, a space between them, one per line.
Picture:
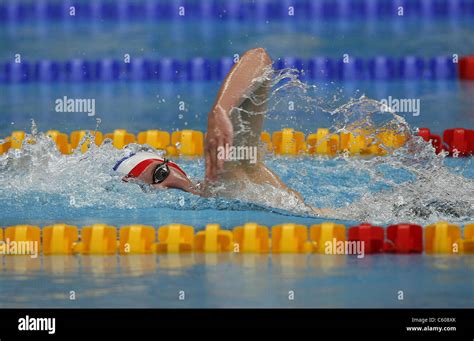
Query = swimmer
x=235 y=120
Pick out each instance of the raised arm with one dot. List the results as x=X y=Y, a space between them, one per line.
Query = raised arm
x=239 y=83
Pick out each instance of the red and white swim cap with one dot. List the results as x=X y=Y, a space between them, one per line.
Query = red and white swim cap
x=134 y=164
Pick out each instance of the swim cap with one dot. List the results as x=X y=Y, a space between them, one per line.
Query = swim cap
x=134 y=164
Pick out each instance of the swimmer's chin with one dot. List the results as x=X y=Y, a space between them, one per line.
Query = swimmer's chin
x=323 y=212
x=192 y=188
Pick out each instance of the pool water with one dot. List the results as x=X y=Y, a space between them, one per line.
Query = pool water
x=238 y=281
x=140 y=106
x=39 y=186
x=78 y=197
x=299 y=38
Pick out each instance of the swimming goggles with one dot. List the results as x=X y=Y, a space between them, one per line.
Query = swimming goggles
x=161 y=172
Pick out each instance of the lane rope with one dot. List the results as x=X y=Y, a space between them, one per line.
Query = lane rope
x=201 y=69
x=20 y=11
x=455 y=142
x=324 y=238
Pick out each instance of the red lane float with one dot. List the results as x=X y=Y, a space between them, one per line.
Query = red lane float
x=457 y=141
x=372 y=236
x=425 y=133
x=460 y=141
x=466 y=68
x=404 y=238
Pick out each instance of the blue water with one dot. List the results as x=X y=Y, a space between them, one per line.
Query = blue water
x=190 y=38
x=215 y=281
x=64 y=189
x=141 y=106
x=84 y=190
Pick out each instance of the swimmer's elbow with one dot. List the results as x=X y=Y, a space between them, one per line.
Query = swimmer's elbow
x=262 y=55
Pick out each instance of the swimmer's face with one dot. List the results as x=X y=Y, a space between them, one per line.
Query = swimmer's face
x=174 y=180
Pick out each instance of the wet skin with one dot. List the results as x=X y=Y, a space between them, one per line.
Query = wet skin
x=233 y=108
x=240 y=82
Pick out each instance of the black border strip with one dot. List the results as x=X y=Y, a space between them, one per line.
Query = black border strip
x=379 y=323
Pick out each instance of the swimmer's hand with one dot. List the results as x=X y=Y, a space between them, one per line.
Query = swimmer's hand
x=219 y=134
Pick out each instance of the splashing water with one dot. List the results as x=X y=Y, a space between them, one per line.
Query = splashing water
x=411 y=184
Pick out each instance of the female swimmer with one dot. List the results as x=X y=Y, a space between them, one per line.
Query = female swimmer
x=235 y=120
